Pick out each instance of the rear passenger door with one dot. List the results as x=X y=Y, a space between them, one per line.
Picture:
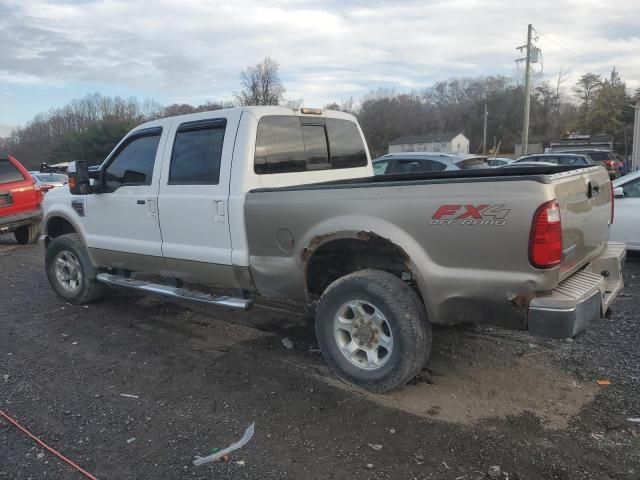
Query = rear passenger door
x=194 y=195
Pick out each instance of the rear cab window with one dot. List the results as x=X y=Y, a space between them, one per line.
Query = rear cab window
x=287 y=144
x=9 y=173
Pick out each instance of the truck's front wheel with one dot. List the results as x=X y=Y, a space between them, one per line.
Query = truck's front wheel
x=372 y=330
x=69 y=270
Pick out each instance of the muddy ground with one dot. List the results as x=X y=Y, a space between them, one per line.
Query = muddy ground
x=195 y=377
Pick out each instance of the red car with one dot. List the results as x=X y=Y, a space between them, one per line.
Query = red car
x=20 y=201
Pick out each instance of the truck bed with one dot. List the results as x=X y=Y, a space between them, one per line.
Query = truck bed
x=451 y=260
x=536 y=174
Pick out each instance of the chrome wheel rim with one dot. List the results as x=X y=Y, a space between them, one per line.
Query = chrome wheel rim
x=363 y=334
x=68 y=270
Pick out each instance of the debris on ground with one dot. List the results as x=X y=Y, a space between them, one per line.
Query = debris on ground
x=128 y=395
x=248 y=434
x=392 y=431
x=40 y=455
x=375 y=446
x=419 y=459
x=240 y=462
x=288 y=344
x=494 y=472
x=131 y=440
x=369 y=466
x=6 y=377
x=603 y=382
x=634 y=420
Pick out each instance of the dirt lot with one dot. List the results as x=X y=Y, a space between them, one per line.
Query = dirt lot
x=197 y=377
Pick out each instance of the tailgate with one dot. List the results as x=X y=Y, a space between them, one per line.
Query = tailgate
x=17 y=194
x=585 y=209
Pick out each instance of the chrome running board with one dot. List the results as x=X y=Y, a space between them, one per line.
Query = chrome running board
x=174 y=292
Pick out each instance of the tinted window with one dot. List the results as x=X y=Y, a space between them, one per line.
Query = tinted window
x=572 y=161
x=196 y=155
x=133 y=163
x=379 y=168
x=472 y=163
x=415 y=166
x=279 y=145
x=9 y=173
x=345 y=144
x=284 y=145
x=600 y=156
x=316 y=151
x=632 y=189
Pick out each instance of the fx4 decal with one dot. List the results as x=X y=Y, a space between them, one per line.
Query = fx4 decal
x=470 y=215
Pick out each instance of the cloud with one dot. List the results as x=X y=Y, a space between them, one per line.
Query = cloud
x=327 y=50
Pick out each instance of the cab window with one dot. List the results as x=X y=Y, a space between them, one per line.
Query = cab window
x=134 y=161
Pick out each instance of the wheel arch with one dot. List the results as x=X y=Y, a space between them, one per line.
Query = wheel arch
x=58 y=223
x=328 y=257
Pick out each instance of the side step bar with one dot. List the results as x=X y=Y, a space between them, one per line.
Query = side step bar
x=174 y=292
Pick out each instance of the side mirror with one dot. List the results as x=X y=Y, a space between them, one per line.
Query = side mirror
x=78 y=174
x=618 y=192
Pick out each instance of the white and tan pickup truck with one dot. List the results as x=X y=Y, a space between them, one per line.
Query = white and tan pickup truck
x=283 y=203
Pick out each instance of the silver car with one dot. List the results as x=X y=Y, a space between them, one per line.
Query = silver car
x=418 y=162
x=49 y=181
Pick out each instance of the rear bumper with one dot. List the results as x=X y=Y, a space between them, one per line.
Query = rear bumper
x=12 y=222
x=585 y=296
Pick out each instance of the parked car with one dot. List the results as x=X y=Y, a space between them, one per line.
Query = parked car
x=555 y=159
x=499 y=161
x=20 y=201
x=416 y=162
x=48 y=181
x=626 y=225
x=605 y=157
x=283 y=203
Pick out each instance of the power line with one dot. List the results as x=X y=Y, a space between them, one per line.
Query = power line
x=574 y=54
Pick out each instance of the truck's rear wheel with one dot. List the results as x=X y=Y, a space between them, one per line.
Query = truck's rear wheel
x=27 y=234
x=372 y=330
x=69 y=270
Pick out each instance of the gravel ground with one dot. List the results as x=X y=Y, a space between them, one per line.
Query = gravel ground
x=197 y=377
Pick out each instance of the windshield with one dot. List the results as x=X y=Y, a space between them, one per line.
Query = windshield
x=51 y=177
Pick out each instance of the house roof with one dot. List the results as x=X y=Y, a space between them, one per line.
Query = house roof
x=426 y=138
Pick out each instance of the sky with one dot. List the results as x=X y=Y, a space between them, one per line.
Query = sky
x=193 y=51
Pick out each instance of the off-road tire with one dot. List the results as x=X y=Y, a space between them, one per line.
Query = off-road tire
x=27 y=234
x=407 y=319
x=89 y=289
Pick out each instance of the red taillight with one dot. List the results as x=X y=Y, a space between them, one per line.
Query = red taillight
x=613 y=204
x=39 y=194
x=609 y=163
x=545 y=242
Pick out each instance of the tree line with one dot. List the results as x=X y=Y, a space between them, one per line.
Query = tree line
x=89 y=128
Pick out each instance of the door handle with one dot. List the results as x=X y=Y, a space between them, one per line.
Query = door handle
x=140 y=202
x=219 y=212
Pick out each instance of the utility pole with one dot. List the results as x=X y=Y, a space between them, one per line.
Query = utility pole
x=527 y=87
x=484 y=132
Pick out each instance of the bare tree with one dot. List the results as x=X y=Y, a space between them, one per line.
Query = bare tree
x=261 y=84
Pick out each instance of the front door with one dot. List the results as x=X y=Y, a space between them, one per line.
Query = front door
x=193 y=199
x=124 y=229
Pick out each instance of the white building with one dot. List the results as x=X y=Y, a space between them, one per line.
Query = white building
x=431 y=142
